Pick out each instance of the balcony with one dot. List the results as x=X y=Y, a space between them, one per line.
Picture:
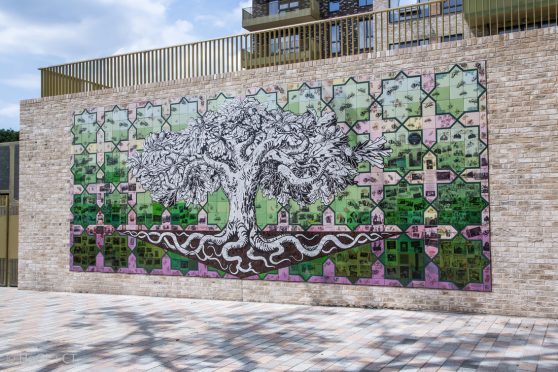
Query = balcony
x=280 y=13
x=281 y=52
x=504 y=16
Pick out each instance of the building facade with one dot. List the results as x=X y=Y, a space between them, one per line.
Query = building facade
x=363 y=26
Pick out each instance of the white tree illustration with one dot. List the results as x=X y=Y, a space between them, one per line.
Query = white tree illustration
x=243 y=148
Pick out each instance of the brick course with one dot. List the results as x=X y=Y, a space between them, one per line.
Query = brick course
x=522 y=70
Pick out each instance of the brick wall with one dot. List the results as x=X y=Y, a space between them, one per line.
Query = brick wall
x=522 y=70
x=346 y=7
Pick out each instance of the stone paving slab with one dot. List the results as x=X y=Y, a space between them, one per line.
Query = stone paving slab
x=43 y=331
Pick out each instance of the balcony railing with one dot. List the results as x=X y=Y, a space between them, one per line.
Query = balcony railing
x=279 y=14
x=342 y=36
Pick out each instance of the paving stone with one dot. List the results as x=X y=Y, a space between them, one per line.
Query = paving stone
x=107 y=332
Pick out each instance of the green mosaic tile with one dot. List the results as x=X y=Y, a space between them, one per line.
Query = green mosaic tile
x=116 y=251
x=84 y=209
x=148 y=256
x=85 y=169
x=353 y=207
x=461 y=261
x=149 y=119
x=407 y=151
x=458 y=148
x=401 y=97
x=459 y=204
x=181 y=263
x=115 y=209
x=217 y=209
x=182 y=113
x=216 y=103
x=404 y=259
x=307 y=215
x=114 y=167
x=354 y=263
x=266 y=210
x=351 y=102
x=309 y=269
x=148 y=212
x=269 y=100
x=85 y=251
x=355 y=139
x=116 y=126
x=457 y=92
x=403 y=205
x=85 y=129
x=184 y=215
x=305 y=99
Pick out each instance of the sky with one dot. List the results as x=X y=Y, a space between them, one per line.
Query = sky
x=42 y=33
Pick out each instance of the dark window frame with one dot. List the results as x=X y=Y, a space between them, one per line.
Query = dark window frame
x=285 y=44
x=416 y=11
x=409 y=44
x=366 y=27
x=452 y=6
x=335 y=43
x=452 y=37
x=289 y=6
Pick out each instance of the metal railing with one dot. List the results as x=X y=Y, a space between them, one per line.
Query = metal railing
x=425 y=23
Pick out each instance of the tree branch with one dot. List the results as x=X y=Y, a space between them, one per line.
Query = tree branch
x=217 y=165
x=299 y=149
x=301 y=181
x=278 y=156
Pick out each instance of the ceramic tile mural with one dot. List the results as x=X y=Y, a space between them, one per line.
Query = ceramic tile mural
x=350 y=181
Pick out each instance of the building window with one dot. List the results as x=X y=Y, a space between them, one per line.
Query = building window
x=288 y=6
x=273 y=7
x=333 y=6
x=335 y=39
x=285 y=44
x=412 y=10
x=452 y=37
x=366 y=34
x=365 y=2
x=453 y=6
x=409 y=44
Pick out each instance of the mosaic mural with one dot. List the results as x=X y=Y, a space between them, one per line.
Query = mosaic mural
x=352 y=181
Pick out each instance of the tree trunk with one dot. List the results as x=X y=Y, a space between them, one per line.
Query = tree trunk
x=242 y=209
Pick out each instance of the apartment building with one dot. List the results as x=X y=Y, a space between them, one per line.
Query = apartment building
x=313 y=29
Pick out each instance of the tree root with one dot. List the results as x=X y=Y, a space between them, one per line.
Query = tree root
x=259 y=248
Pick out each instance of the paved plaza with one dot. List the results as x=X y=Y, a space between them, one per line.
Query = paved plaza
x=46 y=331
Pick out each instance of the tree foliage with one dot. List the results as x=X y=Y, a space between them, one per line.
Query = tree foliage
x=246 y=146
x=8 y=135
